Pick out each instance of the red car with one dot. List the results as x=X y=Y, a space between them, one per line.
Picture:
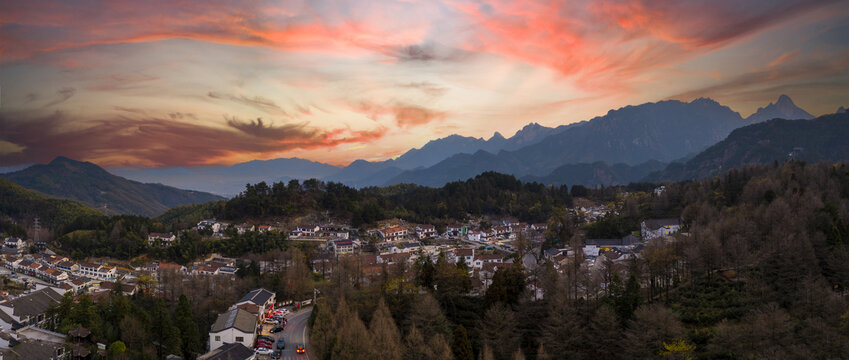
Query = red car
x=300 y=349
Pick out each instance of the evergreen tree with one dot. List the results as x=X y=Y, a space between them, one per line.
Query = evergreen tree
x=384 y=335
x=498 y=330
x=461 y=346
x=189 y=334
x=323 y=330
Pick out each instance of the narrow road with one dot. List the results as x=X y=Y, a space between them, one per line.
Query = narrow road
x=295 y=334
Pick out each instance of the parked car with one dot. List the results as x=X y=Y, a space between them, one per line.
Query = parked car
x=277 y=329
x=264 y=351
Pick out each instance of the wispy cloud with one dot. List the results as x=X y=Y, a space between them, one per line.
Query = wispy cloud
x=62 y=95
x=156 y=141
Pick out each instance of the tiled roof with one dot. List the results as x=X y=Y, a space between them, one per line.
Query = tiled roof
x=257 y=296
x=235 y=318
x=34 y=303
x=234 y=351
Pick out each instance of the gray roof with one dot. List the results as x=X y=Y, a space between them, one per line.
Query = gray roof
x=34 y=303
x=655 y=224
x=257 y=296
x=235 y=318
x=234 y=351
x=604 y=242
x=625 y=241
x=33 y=349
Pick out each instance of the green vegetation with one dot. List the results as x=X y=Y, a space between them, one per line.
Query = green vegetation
x=23 y=204
x=90 y=184
x=487 y=193
x=761 y=273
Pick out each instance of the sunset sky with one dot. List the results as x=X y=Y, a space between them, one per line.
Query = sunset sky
x=176 y=83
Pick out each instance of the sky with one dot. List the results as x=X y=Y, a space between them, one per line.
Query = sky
x=166 y=83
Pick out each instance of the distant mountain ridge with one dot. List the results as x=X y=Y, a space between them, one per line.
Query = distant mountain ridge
x=816 y=140
x=230 y=180
x=633 y=135
x=784 y=108
x=365 y=173
x=90 y=184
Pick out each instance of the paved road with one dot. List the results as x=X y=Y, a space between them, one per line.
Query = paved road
x=295 y=334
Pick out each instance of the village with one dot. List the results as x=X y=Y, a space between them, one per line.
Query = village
x=38 y=277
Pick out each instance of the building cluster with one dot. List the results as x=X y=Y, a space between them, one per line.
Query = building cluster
x=22 y=333
x=234 y=331
x=218 y=228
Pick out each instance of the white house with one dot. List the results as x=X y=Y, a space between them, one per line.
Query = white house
x=468 y=255
x=14 y=243
x=88 y=270
x=654 y=228
x=342 y=247
x=162 y=239
x=209 y=224
x=393 y=233
x=233 y=326
x=425 y=231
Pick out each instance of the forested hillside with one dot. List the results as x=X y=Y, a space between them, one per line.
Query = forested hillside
x=90 y=184
x=760 y=272
x=487 y=193
x=24 y=205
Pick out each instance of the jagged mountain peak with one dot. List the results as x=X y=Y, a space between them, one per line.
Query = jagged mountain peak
x=784 y=108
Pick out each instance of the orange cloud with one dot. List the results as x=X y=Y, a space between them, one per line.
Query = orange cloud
x=151 y=141
x=405 y=115
x=604 y=44
x=31 y=28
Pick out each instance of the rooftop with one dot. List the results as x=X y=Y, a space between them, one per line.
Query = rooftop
x=235 y=318
x=257 y=296
x=234 y=351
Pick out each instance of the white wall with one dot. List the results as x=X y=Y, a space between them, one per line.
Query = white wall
x=228 y=336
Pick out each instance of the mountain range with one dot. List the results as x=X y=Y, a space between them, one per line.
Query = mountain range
x=624 y=145
x=816 y=140
x=230 y=180
x=92 y=185
x=662 y=131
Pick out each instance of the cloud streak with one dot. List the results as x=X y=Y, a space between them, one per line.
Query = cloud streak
x=155 y=141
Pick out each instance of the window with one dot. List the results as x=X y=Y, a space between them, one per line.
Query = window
x=217 y=338
x=239 y=339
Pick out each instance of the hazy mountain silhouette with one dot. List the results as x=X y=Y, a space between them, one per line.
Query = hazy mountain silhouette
x=90 y=184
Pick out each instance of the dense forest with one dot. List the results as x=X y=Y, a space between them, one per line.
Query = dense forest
x=760 y=272
x=146 y=325
x=125 y=237
x=487 y=193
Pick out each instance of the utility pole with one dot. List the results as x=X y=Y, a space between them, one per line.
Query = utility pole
x=37 y=228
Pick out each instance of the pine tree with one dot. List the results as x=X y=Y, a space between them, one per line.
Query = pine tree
x=353 y=341
x=438 y=348
x=498 y=330
x=486 y=353
x=415 y=347
x=461 y=345
x=518 y=354
x=189 y=334
x=323 y=330
x=428 y=317
x=386 y=340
